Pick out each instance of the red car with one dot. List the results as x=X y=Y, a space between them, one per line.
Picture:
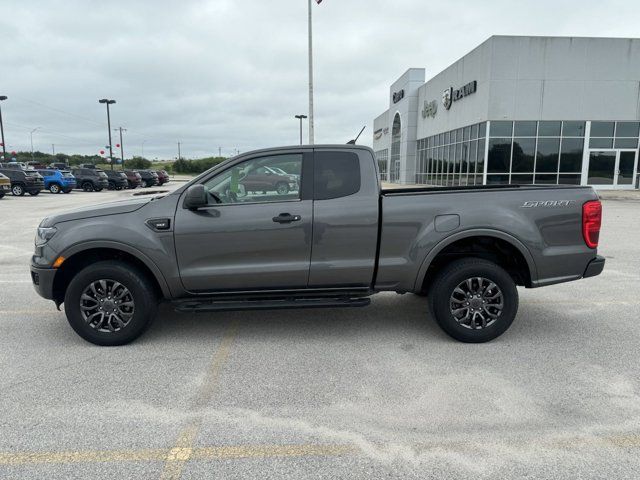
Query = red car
x=133 y=178
x=163 y=176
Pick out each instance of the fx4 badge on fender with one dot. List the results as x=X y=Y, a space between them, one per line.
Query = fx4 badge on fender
x=547 y=203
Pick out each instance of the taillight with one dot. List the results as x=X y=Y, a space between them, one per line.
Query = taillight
x=591 y=220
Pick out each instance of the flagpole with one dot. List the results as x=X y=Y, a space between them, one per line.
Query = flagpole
x=310 y=79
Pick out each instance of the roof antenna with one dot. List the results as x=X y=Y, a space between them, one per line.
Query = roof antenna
x=353 y=142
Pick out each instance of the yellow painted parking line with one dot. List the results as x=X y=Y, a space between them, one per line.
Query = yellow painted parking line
x=177 y=453
x=183 y=449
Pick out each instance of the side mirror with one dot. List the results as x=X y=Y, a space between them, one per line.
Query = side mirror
x=195 y=197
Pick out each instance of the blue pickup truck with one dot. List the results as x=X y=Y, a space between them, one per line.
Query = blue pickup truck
x=57 y=181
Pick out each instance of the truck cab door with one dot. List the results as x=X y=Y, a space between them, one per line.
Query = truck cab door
x=244 y=240
x=345 y=212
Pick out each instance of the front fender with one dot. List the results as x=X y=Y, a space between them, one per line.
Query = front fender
x=114 y=245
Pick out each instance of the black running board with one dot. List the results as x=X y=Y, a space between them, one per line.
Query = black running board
x=215 y=305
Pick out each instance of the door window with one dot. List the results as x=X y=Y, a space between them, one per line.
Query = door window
x=273 y=178
x=336 y=174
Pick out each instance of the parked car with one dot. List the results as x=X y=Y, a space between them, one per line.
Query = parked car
x=5 y=185
x=57 y=181
x=89 y=179
x=335 y=242
x=149 y=178
x=163 y=176
x=35 y=165
x=14 y=165
x=22 y=181
x=117 y=179
x=134 y=179
x=59 y=166
x=264 y=179
x=88 y=165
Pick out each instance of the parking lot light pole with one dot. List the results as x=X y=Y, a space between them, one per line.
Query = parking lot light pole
x=121 y=144
x=300 y=117
x=31 y=138
x=4 y=147
x=109 y=102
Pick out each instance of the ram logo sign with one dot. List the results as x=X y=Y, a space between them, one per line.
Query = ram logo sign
x=430 y=109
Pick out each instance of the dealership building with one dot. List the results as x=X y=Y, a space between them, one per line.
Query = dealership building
x=518 y=110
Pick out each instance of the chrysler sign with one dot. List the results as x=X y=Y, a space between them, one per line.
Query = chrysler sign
x=451 y=95
x=397 y=96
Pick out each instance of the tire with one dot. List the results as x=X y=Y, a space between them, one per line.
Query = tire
x=282 y=188
x=54 y=188
x=112 y=186
x=106 y=331
x=17 y=190
x=450 y=291
x=1 y=195
x=34 y=193
x=87 y=186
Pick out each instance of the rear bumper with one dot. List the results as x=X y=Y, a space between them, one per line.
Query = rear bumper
x=594 y=267
x=42 y=279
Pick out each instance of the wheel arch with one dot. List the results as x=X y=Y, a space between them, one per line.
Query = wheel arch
x=467 y=237
x=80 y=255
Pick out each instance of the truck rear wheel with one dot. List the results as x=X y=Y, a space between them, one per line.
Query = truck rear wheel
x=54 y=188
x=87 y=187
x=17 y=190
x=474 y=300
x=110 y=303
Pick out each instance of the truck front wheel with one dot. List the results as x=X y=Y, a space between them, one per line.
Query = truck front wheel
x=474 y=300
x=110 y=303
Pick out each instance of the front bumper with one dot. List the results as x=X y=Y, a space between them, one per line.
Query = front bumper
x=594 y=267
x=42 y=279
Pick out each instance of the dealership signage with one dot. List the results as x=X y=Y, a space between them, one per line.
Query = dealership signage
x=377 y=134
x=397 y=96
x=451 y=95
x=429 y=109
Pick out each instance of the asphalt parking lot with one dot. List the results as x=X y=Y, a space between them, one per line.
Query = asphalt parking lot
x=378 y=392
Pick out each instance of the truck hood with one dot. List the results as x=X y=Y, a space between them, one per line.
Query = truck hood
x=112 y=208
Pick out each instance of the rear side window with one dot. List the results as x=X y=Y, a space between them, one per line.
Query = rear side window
x=336 y=174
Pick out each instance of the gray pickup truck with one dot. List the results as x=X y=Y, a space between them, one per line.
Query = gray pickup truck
x=332 y=238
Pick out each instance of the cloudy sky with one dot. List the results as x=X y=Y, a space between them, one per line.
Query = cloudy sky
x=233 y=73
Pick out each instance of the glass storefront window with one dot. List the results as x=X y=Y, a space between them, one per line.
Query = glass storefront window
x=573 y=129
x=480 y=162
x=569 y=179
x=602 y=129
x=497 y=179
x=571 y=154
x=546 y=179
x=547 y=155
x=499 y=154
x=520 y=179
x=474 y=132
x=600 y=142
x=482 y=130
x=523 y=153
x=627 y=129
x=626 y=143
x=524 y=129
x=549 y=129
x=501 y=129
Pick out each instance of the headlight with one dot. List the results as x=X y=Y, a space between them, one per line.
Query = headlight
x=44 y=235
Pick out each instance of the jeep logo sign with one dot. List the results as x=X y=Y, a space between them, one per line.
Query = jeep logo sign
x=451 y=95
x=430 y=109
x=397 y=96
